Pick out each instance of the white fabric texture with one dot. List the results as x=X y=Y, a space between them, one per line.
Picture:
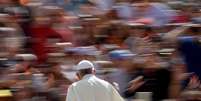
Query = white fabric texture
x=91 y=88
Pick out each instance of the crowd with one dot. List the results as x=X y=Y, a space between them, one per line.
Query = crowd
x=146 y=49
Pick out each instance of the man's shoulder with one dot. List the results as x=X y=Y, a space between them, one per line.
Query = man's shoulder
x=92 y=80
x=103 y=81
x=77 y=83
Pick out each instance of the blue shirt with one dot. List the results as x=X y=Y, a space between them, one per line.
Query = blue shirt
x=191 y=51
x=72 y=5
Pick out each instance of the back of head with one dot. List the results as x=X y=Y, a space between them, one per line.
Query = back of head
x=84 y=67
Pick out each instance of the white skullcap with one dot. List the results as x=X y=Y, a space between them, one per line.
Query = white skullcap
x=84 y=64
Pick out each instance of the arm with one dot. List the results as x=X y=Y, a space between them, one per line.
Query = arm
x=115 y=95
x=172 y=35
x=133 y=86
x=177 y=76
x=71 y=94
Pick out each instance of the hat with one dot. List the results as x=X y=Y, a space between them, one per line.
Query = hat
x=121 y=54
x=86 y=50
x=84 y=64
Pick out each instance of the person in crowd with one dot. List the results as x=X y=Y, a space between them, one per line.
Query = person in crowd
x=91 y=88
x=122 y=60
x=189 y=47
x=133 y=77
x=154 y=14
x=41 y=31
x=136 y=39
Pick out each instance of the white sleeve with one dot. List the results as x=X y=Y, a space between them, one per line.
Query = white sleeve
x=71 y=94
x=115 y=95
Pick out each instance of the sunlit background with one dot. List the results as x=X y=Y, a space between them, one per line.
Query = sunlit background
x=41 y=41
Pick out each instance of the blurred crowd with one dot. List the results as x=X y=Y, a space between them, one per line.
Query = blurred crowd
x=156 y=41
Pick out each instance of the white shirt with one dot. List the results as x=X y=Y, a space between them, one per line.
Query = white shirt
x=91 y=88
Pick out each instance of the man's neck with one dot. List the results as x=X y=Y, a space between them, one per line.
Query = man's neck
x=87 y=76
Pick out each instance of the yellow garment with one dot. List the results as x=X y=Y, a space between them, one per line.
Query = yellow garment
x=5 y=93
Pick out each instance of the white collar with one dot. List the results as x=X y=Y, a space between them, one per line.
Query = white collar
x=88 y=76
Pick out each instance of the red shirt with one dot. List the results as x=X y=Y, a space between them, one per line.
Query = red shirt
x=40 y=34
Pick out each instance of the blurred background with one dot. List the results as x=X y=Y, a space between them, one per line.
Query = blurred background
x=41 y=41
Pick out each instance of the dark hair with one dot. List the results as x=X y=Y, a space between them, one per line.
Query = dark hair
x=85 y=71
